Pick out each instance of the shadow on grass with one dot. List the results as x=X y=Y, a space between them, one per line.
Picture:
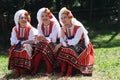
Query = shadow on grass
x=4 y=54
x=106 y=40
x=41 y=75
x=104 y=37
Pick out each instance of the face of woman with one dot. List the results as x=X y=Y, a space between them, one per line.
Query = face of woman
x=45 y=18
x=23 y=20
x=65 y=20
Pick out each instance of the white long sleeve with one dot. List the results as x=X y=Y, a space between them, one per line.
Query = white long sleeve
x=13 y=37
x=76 y=38
x=32 y=32
x=39 y=28
x=55 y=33
x=65 y=41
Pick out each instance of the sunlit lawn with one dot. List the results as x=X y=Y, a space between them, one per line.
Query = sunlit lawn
x=107 y=61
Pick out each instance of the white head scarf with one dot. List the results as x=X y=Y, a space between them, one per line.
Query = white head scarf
x=74 y=22
x=17 y=16
x=39 y=13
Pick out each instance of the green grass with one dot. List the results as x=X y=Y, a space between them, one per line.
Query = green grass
x=107 y=58
x=107 y=55
x=107 y=40
x=107 y=62
x=3 y=65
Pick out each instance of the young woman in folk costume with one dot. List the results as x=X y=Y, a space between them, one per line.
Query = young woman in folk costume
x=22 y=38
x=77 y=51
x=48 y=29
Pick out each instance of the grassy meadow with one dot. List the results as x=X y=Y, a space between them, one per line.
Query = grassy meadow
x=106 y=67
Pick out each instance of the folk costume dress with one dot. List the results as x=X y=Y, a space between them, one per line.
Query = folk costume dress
x=20 y=54
x=44 y=49
x=77 y=50
x=80 y=56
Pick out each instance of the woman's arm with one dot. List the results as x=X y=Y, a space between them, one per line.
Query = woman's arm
x=13 y=37
x=76 y=38
x=54 y=34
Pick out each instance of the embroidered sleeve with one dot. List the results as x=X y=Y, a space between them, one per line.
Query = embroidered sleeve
x=54 y=34
x=76 y=38
x=13 y=37
x=39 y=30
x=33 y=31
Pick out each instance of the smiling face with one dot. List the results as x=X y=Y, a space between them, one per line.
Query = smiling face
x=45 y=18
x=22 y=20
x=65 y=20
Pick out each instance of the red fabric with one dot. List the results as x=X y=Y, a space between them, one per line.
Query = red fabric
x=17 y=72
x=74 y=31
x=73 y=34
x=10 y=54
x=63 y=67
x=49 y=66
x=69 y=71
x=46 y=49
x=87 y=57
x=37 y=58
x=50 y=28
x=26 y=32
x=84 y=62
x=36 y=61
x=19 y=59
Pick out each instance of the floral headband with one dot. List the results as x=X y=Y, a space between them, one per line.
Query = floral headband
x=67 y=12
x=28 y=16
x=48 y=12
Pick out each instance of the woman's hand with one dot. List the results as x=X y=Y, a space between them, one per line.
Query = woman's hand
x=39 y=38
x=57 y=47
x=42 y=38
x=63 y=31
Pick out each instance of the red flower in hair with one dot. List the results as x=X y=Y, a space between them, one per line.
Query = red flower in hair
x=48 y=12
x=28 y=16
x=26 y=13
x=67 y=12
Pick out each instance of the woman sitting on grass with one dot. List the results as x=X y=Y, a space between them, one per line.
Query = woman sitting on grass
x=75 y=49
x=22 y=39
x=48 y=29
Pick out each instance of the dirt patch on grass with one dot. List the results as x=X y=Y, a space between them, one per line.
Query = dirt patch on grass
x=54 y=76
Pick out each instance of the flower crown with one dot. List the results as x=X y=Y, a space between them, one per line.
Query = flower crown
x=48 y=12
x=28 y=16
x=67 y=12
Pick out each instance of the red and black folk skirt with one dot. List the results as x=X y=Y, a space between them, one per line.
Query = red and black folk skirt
x=19 y=58
x=79 y=56
x=46 y=49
